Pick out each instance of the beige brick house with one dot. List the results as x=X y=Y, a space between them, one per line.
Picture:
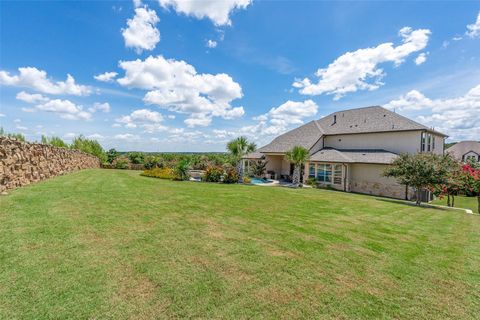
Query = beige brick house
x=350 y=149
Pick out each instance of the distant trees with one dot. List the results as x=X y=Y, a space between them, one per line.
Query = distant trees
x=89 y=146
x=54 y=141
x=298 y=156
x=136 y=157
x=18 y=136
x=112 y=154
x=420 y=171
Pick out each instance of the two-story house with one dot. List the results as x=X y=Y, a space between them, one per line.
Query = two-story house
x=465 y=151
x=350 y=149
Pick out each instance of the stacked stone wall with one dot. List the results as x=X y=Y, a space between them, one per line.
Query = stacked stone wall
x=22 y=163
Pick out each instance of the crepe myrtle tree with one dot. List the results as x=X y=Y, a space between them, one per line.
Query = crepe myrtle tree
x=470 y=182
x=237 y=148
x=420 y=171
x=298 y=156
x=452 y=184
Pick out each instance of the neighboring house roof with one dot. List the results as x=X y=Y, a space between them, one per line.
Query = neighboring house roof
x=361 y=120
x=458 y=150
x=378 y=156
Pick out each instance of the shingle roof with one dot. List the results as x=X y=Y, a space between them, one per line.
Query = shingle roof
x=354 y=156
x=463 y=147
x=304 y=136
x=361 y=120
x=365 y=120
x=253 y=155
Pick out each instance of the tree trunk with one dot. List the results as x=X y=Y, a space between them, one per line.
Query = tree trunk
x=240 y=170
x=478 y=203
x=419 y=195
x=296 y=175
x=448 y=200
x=453 y=200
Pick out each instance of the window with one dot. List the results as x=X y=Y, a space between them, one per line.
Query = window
x=471 y=158
x=311 y=170
x=422 y=148
x=429 y=141
x=324 y=173
x=433 y=143
x=337 y=174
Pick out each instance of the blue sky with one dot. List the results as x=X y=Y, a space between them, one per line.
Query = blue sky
x=190 y=75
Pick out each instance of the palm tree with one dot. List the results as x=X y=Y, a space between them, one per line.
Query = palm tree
x=238 y=148
x=298 y=156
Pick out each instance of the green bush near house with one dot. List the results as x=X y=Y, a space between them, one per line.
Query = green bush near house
x=162 y=173
x=231 y=175
x=213 y=174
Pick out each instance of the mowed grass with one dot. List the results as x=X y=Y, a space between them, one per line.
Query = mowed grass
x=108 y=244
x=460 y=202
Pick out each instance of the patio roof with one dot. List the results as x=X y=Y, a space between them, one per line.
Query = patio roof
x=376 y=156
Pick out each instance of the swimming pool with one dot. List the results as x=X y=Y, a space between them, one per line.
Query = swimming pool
x=260 y=181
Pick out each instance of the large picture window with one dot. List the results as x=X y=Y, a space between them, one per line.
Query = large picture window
x=324 y=173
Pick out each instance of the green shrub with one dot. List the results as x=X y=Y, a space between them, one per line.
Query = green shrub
x=54 y=141
x=112 y=154
x=213 y=174
x=17 y=136
x=311 y=182
x=181 y=171
x=89 y=146
x=150 y=162
x=122 y=163
x=136 y=157
x=231 y=176
x=161 y=173
x=247 y=179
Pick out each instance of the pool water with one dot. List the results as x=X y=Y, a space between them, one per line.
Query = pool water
x=260 y=181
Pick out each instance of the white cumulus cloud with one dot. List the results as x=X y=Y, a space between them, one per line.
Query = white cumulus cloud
x=141 y=33
x=149 y=120
x=104 y=107
x=65 y=109
x=281 y=118
x=422 y=57
x=218 y=11
x=176 y=86
x=459 y=117
x=211 y=43
x=106 y=76
x=127 y=137
x=35 y=79
x=359 y=70
x=473 y=30
x=31 y=97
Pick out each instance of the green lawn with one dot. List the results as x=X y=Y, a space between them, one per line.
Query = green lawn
x=108 y=244
x=460 y=202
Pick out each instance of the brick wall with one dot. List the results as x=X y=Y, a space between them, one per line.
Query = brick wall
x=22 y=163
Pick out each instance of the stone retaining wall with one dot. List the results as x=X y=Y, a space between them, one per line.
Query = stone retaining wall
x=22 y=163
